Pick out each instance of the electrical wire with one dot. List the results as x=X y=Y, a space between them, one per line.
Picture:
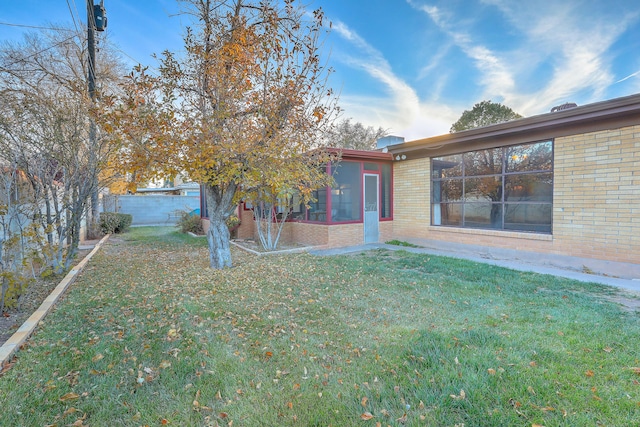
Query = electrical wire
x=39 y=52
x=9 y=24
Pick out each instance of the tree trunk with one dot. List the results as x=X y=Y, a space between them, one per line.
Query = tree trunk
x=219 y=205
x=219 y=247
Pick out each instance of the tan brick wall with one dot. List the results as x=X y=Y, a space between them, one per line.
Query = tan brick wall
x=596 y=205
x=329 y=236
x=411 y=198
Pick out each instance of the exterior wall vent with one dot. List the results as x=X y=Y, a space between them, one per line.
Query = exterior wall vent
x=564 y=106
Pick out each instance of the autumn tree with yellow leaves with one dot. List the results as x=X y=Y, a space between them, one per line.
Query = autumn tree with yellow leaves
x=241 y=110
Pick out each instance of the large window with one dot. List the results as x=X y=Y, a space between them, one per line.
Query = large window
x=345 y=194
x=507 y=188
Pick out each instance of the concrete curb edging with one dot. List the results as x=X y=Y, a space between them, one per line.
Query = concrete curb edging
x=24 y=332
x=285 y=251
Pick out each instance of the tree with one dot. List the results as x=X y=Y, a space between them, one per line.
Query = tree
x=355 y=136
x=484 y=164
x=238 y=112
x=484 y=113
x=44 y=126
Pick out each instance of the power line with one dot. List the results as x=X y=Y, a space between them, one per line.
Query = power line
x=40 y=51
x=73 y=17
x=9 y=24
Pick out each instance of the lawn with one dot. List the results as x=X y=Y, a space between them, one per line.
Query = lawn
x=148 y=335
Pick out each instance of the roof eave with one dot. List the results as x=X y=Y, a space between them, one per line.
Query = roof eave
x=588 y=118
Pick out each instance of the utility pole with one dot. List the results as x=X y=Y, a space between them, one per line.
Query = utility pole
x=94 y=212
x=91 y=42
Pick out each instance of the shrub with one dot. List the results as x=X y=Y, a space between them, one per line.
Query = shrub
x=233 y=221
x=189 y=223
x=12 y=287
x=113 y=222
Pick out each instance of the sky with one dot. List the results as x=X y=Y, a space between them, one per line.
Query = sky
x=413 y=66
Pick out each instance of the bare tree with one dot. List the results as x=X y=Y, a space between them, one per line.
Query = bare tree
x=355 y=136
x=44 y=133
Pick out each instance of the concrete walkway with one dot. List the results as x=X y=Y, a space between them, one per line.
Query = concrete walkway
x=617 y=274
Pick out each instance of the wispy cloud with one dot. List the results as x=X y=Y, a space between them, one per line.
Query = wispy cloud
x=637 y=73
x=495 y=74
x=573 y=37
x=401 y=109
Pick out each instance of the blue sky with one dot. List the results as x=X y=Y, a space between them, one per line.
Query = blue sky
x=413 y=66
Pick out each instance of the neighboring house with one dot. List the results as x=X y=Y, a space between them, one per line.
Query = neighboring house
x=566 y=182
x=182 y=189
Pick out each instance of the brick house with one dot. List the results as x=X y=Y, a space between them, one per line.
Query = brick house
x=566 y=182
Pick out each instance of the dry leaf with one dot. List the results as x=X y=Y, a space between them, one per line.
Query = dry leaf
x=491 y=371
x=69 y=411
x=69 y=396
x=366 y=416
x=97 y=357
x=364 y=401
x=589 y=373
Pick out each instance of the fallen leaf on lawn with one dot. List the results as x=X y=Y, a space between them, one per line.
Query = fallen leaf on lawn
x=635 y=370
x=69 y=396
x=364 y=401
x=97 y=357
x=491 y=371
x=460 y=396
x=366 y=416
x=402 y=419
x=589 y=373
x=69 y=411
x=165 y=364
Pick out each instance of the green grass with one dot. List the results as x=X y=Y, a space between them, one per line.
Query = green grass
x=402 y=243
x=148 y=335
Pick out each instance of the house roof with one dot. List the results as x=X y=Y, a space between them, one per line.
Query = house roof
x=348 y=154
x=612 y=114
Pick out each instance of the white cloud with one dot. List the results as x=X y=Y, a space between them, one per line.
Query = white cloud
x=401 y=111
x=575 y=37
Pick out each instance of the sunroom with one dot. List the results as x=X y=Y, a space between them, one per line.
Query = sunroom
x=357 y=209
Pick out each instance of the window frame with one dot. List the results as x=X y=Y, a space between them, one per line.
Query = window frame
x=468 y=201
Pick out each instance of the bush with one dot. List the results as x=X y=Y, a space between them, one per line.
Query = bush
x=189 y=223
x=113 y=222
x=12 y=287
x=233 y=221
